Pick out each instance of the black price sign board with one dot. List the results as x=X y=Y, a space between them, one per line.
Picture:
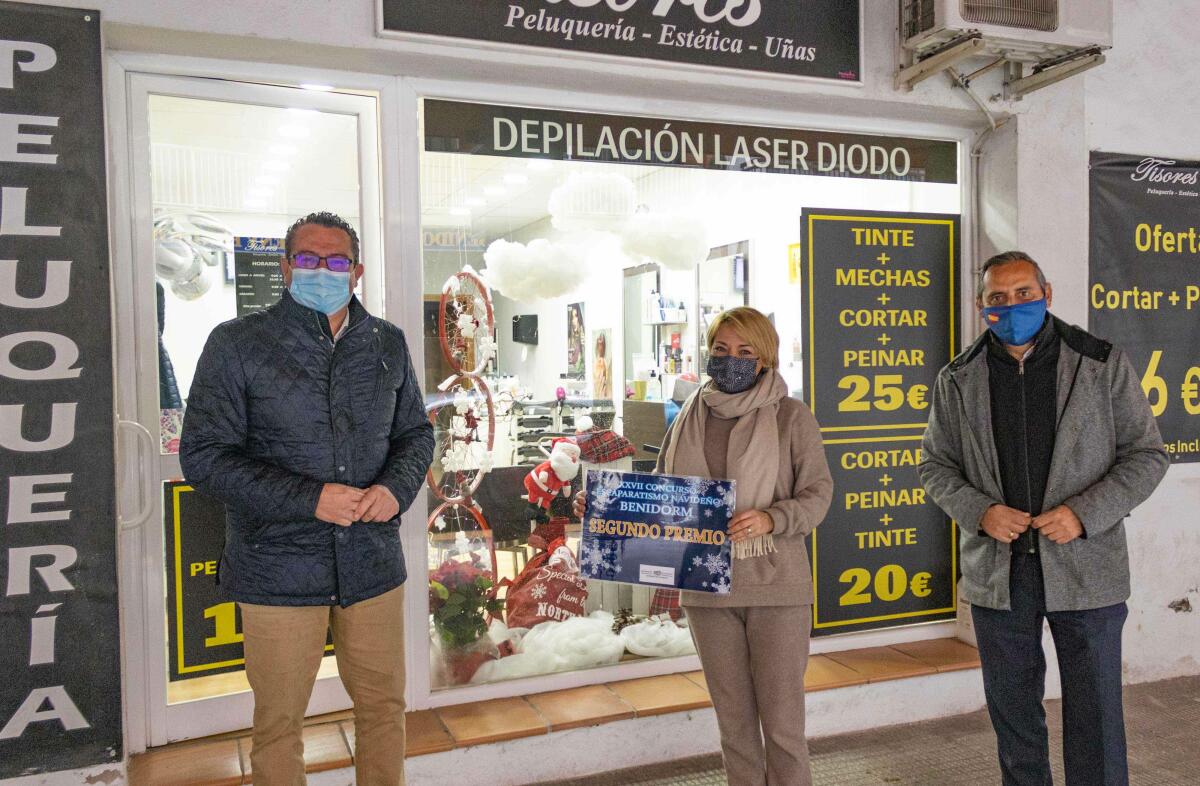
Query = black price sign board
x=813 y=38
x=882 y=297
x=1144 y=288
x=60 y=698
x=881 y=302
x=521 y=132
x=885 y=555
x=204 y=631
x=258 y=279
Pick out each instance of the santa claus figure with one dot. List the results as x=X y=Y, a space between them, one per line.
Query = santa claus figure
x=552 y=478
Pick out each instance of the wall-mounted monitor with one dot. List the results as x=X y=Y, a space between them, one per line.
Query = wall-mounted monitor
x=525 y=329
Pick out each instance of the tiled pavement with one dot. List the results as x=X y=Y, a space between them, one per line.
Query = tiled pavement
x=224 y=760
x=1162 y=722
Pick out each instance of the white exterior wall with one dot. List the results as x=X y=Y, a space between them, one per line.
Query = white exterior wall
x=1144 y=102
x=1033 y=183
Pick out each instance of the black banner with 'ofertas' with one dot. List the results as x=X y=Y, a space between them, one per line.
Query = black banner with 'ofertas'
x=60 y=699
x=814 y=38
x=1144 y=288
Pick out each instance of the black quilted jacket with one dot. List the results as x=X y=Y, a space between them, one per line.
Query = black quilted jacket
x=276 y=410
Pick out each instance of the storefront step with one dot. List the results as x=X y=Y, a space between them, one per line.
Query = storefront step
x=632 y=706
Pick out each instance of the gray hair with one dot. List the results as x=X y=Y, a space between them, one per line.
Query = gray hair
x=1004 y=259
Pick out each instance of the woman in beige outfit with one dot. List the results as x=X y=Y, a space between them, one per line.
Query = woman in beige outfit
x=753 y=642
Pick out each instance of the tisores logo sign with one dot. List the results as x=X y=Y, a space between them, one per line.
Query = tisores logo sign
x=816 y=38
x=1157 y=170
x=739 y=13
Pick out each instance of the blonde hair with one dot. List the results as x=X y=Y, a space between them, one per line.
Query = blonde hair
x=754 y=328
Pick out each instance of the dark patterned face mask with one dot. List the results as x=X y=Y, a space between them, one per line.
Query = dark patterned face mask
x=732 y=375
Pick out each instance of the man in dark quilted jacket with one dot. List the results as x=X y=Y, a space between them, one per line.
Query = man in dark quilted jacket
x=306 y=421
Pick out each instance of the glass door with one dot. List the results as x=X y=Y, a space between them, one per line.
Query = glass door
x=219 y=171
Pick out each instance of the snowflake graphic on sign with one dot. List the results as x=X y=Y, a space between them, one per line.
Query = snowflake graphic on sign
x=605 y=488
x=657 y=530
x=599 y=560
x=715 y=565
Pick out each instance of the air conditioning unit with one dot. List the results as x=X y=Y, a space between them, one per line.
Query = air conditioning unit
x=1029 y=31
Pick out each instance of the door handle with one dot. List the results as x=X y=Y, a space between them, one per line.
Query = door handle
x=145 y=446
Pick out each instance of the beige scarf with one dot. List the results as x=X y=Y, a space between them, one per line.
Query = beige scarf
x=753 y=452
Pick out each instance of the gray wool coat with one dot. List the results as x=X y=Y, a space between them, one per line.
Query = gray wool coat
x=1108 y=458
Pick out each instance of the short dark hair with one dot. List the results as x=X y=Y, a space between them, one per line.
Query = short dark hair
x=325 y=219
x=1004 y=259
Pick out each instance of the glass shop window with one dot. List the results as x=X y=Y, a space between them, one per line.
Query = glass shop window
x=228 y=179
x=566 y=295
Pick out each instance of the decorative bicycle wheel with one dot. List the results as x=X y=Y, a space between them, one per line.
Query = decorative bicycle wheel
x=452 y=519
x=466 y=323
x=464 y=428
x=463 y=419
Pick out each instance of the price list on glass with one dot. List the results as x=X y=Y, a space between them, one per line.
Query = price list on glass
x=881 y=295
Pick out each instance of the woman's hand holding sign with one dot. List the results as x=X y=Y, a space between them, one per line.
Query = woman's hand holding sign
x=578 y=504
x=750 y=524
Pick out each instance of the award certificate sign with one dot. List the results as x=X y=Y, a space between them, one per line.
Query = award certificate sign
x=657 y=530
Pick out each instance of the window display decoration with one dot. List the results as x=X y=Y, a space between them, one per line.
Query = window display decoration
x=658 y=637
x=465 y=322
x=552 y=478
x=462 y=588
x=548 y=588
x=675 y=241
x=602 y=227
x=461 y=599
x=570 y=645
x=540 y=270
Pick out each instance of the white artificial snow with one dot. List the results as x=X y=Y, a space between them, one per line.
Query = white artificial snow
x=658 y=638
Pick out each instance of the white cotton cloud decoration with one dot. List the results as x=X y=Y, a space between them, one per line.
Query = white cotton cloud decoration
x=591 y=203
x=576 y=643
x=541 y=270
x=675 y=241
x=658 y=638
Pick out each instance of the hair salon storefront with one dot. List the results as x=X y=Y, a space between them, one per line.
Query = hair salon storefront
x=674 y=170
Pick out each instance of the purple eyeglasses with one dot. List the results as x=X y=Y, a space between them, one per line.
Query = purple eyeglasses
x=310 y=261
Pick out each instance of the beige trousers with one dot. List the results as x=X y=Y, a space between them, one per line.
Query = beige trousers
x=754 y=659
x=284 y=646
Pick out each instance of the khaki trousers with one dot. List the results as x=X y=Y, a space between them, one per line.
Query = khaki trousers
x=754 y=659
x=284 y=646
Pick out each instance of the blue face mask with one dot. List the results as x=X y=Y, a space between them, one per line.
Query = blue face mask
x=321 y=289
x=1016 y=325
x=732 y=375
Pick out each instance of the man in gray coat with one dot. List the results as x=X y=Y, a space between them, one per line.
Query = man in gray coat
x=1040 y=442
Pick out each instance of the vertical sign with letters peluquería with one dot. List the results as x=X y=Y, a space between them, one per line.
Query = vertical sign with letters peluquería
x=60 y=698
x=880 y=312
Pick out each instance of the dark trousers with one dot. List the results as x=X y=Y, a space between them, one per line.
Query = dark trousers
x=1088 y=644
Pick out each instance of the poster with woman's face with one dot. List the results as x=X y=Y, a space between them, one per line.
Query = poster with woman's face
x=575 y=337
x=601 y=364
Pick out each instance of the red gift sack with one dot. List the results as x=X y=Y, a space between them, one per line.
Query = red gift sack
x=548 y=588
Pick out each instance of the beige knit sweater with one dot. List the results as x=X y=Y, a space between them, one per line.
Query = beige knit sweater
x=803 y=491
